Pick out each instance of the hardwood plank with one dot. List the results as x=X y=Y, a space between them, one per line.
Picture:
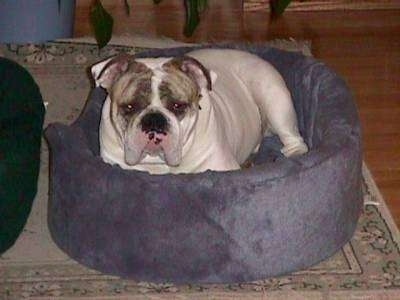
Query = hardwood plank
x=312 y=5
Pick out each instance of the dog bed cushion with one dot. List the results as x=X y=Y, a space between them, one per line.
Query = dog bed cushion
x=21 y=121
x=279 y=216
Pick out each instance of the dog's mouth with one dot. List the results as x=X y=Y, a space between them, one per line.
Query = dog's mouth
x=155 y=143
x=152 y=147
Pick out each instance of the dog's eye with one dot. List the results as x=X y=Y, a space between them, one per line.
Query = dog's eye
x=178 y=107
x=128 y=108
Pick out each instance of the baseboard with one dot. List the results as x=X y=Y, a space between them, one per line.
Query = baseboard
x=315 y=5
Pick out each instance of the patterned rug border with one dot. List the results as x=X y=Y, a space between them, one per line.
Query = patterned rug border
x=383 y=208
x=274 y=295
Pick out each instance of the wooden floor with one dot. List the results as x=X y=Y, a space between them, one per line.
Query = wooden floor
x=362 y=46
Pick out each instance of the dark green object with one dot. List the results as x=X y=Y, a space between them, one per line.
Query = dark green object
x=127 y=8
x=102 y=23
x=278 y=7
x=202 y=5
x=192 y=17
x=21 y=121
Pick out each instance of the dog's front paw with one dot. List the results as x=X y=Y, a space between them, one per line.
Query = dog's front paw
x=294 y=149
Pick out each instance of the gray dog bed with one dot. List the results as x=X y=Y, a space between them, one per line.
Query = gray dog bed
x=279 y=216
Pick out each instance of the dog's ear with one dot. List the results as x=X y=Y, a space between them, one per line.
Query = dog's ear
x=195 y=70
x=107 y=71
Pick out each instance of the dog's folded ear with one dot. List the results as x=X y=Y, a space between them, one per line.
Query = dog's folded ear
x=194 y=69
x=107 y=71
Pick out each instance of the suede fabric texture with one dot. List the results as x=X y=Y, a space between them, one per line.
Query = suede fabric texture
x=279 y=216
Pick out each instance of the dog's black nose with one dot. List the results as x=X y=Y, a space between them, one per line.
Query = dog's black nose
x=154 y=122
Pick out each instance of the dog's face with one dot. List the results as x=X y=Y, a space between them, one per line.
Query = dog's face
x=154 y=104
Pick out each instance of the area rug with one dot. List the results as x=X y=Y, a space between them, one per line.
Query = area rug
x=368 y=267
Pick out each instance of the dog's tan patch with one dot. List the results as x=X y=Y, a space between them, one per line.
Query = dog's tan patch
x=177 y=86
x=192 y=68
x=133 y=88
x=130 y=94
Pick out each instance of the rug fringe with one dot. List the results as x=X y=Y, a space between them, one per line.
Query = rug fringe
x=152 y=41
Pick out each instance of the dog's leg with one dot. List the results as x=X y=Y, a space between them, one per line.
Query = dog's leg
x=277 y=112
x=282 y=120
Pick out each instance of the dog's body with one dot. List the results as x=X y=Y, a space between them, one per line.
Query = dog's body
x=210 y=112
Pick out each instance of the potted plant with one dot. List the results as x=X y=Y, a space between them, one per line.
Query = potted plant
x=35 y=21
x=102 y=21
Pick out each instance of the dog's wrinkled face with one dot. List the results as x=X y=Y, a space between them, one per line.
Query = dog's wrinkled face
x=154 y=104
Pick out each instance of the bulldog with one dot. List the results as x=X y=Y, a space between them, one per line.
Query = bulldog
x=207 y=110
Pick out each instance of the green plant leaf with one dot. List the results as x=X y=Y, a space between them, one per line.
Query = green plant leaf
x=192 y=16
x=102 y=24
x=202 y=5
x=279 y=6
x=127 y=7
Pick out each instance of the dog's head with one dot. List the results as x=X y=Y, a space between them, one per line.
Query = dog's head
x=154 y=103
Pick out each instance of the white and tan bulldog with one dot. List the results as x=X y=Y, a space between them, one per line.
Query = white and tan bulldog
x=207 y=110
